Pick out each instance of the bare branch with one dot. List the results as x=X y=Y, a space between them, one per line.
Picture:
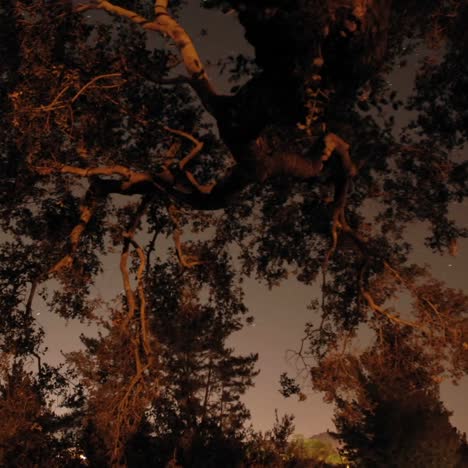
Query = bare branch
x=57 y=103
x=335 y=143
x=90 y=83
x=198 y=144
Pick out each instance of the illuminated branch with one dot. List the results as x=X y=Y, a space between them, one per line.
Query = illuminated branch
x=123 y=418
x=444 y=320
x=58 y=104
x=90 y=83
x=54 y=167
x=164 y=23
x=187 y=261
x=338 y=219
x=100 y=188
x=335 y=143
x=132 y=182
x=131 y=305
x=87 y=209
x=204 y=189
x=197 y=148
x=142 y=183
x=128 y=240
x=137 y=388
x=141 y=297
x=340 y=223
x=377 y=308
x=53 y=104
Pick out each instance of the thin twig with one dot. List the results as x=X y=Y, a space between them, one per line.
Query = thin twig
x=90 y=83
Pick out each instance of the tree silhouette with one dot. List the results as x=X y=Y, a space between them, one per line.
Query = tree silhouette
x=186 y=408
x=393 y=414
x=29 y=428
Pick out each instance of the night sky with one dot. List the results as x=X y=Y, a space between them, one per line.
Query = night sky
x=279 y=314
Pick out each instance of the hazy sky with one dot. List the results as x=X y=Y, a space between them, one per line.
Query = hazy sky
x=281 y=313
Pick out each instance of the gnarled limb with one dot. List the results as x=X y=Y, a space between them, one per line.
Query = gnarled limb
x=207 y=196
x=335 y=143
x=139 y=342
x=338 y=219
x=338 y=223
x=88 y=207
x=132 y=182
x=198 y=145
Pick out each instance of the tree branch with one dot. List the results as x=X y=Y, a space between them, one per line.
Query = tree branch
x=202 y=188
x=164 y=23
x=142 y=298
x=87 y=209
x=187 y=261
x=128 y=240
x=57 y=103
x=90 y=83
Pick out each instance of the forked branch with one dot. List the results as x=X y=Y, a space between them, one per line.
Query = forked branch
x=198 y=145
x=58 y=102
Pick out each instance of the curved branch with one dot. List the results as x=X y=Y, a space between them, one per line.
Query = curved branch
x=57 y=103
x=128 y=240
x=87 y=209
x=164 y=23
x=377 y=308
x=187 y=261
x=198 y=145
x=142 y=297
x=90 y=83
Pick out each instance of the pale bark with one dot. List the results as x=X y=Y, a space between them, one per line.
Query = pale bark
x=164 y=23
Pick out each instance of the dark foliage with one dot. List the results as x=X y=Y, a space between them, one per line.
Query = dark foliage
x=105 y=147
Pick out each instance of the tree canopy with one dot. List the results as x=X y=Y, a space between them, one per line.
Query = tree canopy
x=113 y=137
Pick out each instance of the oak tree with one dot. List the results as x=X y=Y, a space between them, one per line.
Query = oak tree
x=105 y=142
